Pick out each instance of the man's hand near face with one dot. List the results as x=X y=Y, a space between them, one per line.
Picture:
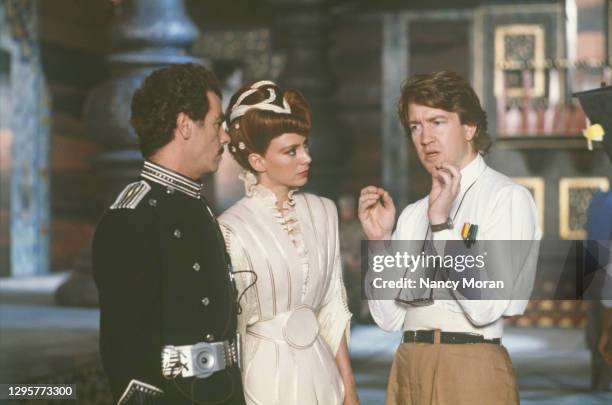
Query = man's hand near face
x=376 y=213
x=445 y=182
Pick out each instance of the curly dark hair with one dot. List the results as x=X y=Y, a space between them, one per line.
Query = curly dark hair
x=163 y=95
x=449 y=92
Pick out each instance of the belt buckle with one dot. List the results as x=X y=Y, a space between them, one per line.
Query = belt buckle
x=456 y=337
x=418 y=336
x=208 y=358
x=200 y=360
x=477 y=336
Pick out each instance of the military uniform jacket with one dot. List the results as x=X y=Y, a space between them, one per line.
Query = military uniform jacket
x=163 y=278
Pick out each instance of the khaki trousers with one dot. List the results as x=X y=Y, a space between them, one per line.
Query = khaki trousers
x=452 y=374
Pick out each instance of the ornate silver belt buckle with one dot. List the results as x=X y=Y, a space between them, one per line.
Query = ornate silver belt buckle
x=200 y=360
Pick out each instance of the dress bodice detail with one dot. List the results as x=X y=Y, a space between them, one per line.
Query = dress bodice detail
x=287 y=218
x=294 y=314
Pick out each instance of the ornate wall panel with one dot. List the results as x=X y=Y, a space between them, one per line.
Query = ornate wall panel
x=518 y=44
x=575 y=195
x=510 y=37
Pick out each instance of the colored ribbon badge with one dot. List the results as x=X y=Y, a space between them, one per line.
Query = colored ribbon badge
x=468 y=233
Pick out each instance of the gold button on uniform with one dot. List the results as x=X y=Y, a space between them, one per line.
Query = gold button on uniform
x=177 y=233
x=210 y=337
x=153 y=202
x=205 y=301
x=196 y=266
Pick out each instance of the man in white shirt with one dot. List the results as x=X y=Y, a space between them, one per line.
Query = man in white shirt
x=451 y=352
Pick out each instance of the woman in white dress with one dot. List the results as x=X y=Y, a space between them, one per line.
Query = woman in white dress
x=294 y=320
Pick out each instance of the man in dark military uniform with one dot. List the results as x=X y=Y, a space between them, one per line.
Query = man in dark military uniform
x=167 y=300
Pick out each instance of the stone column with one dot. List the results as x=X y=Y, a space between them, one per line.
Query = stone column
x=302 y=32
x=146 y=35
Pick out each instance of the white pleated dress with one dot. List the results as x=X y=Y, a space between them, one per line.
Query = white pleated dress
x=294 y=317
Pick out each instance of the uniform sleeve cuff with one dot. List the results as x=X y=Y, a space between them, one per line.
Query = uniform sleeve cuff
x=138 y=392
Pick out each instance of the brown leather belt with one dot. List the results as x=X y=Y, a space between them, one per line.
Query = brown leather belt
x=429 y=336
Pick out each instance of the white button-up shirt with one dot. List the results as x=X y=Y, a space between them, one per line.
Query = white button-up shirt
x=503 y=210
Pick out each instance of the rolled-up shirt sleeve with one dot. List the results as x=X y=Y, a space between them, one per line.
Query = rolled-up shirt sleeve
x=388 y=314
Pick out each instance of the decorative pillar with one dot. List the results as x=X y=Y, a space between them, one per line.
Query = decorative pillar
x=395 y=61
x=302 y=32
x=146 y=35
x=24 y=131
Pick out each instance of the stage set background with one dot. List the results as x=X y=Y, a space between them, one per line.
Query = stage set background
x=69 y=67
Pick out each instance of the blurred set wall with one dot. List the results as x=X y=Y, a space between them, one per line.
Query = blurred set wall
x=61 y=163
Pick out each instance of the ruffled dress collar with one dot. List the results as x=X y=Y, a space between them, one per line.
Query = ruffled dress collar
x=262 y=193
x=287 y=217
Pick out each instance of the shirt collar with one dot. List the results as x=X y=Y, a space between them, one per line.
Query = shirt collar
x=470 y=173
x=171 y=179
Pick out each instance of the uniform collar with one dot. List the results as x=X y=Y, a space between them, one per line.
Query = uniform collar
x=171 y=179
x=470 y=173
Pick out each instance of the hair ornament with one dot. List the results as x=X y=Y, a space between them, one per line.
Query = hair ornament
x=241 y=146
x=238 y=110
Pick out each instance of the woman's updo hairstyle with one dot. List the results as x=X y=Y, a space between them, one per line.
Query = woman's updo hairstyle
x=261 y=111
